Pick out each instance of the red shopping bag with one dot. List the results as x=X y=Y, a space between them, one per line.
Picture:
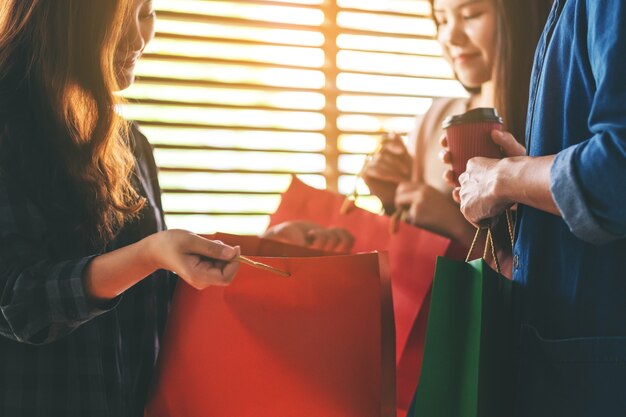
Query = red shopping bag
x=319 y=343
x=412 y=256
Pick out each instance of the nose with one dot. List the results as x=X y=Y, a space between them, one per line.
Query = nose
x=454 y=33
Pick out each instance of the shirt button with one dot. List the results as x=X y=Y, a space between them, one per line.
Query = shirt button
x=515 y=261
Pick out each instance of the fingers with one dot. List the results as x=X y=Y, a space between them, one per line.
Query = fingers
x=443 y=141
x=406 y=193
x=408 y=187
x=346 y=240
x=450 y=178
x=393 y=143
x=456 y=195
x=331 y=240
x=463 y=177
x=201 y=271
x=199 y=261
x=293 y=232
x=386 y=166
x=305 y=233
x=445 y=156
x=510 y=146
x=392 y=163
x=230 y=270
x=321 y=239
x=215 y=249
x=391 y=136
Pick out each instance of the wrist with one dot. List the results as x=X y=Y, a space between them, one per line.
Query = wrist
x=507 y=172
x=147 y=251
x=110 y=274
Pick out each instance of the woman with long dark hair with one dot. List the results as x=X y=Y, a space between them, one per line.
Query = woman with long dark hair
x=489 y=45
x=84 y=290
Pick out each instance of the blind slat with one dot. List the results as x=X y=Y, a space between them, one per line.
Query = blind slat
x=237 y=96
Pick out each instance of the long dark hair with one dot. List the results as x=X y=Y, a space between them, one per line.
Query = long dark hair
x=58 y=123
x=519 y=26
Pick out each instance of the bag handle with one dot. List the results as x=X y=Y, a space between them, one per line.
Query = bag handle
x=350 y=198
x=489 y=241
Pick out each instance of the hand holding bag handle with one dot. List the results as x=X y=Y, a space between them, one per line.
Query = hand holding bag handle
x=489 y=241
x=350 y=200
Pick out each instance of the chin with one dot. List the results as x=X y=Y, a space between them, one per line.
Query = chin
x=124 y=81
x=471 y=81
x=472 y=77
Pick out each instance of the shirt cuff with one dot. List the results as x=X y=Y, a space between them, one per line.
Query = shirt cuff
x=569 y=198
x=68 y=297
x=49 y=301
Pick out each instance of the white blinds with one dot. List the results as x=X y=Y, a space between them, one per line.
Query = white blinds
x=235 y=95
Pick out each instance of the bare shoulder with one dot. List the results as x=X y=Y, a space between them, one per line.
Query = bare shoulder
x=429 y=125
x=443 y=107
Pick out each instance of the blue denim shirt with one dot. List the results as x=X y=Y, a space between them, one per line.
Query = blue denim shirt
x=571 y=273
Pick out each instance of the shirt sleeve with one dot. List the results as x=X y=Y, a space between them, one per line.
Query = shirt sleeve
x=41 y=300
x=587 y=180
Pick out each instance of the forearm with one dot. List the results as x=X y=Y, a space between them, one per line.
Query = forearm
x=526 y=180
x=110 y=274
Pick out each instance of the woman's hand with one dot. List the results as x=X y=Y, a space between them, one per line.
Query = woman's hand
x=198 y=261
x=388 y=167
x=430 y=209
x=312 y=235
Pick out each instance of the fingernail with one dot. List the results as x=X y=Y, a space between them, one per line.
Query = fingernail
x=497 y=134
x=228 y=252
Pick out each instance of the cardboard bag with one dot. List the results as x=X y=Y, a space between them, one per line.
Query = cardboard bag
x=412 y=255
x=319 y=343
x=467 y=370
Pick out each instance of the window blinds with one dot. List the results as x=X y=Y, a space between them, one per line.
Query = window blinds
x=236 y=95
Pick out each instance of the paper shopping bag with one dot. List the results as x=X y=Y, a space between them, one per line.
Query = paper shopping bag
x=318 y=343
x=467 y=367
x=412 y=255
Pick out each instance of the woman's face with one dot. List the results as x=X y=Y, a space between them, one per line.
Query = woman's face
x=139 y=32
x=467 y=33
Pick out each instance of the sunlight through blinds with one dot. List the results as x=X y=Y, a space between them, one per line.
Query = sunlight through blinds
x=235 y=96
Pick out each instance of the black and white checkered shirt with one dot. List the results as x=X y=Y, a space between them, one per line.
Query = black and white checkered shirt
x=59 y=355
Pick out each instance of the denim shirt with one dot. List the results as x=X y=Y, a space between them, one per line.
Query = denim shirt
x=572 y=280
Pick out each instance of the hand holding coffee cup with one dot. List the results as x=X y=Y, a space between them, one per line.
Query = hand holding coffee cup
x=469 y=135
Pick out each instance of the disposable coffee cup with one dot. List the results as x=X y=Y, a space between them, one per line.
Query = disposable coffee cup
x=469 y=135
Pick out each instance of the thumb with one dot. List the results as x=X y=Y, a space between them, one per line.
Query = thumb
x=216 y=250
x=508 y=143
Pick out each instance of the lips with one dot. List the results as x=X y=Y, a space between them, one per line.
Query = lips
x=462 y=58
x=127 y=62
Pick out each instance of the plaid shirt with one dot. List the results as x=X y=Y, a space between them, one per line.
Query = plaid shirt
x=60 y=355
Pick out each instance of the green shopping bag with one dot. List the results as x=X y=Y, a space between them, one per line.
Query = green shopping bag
x=468 y=356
